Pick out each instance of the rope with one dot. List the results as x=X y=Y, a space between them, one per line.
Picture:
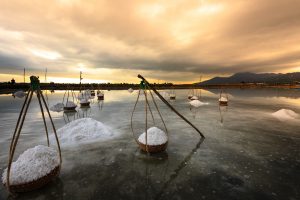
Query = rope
x=54 y=130
x=146 y=120
x=158 y=111
x=44 y=120
x=14 y=142
x=170 y=106
x=131 y=119
x=20 y=115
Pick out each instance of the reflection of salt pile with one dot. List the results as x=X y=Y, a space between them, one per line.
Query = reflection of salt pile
x=130 y=90
x=194 y=98
x=155 y=136
x=32 y=164
x=197 y=103
x=285 y=114
x=19 y=94
x=84 y=130
x=57 y=107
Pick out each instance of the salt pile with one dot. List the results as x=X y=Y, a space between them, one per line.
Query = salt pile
x=84 y=130
x=70 y=104
x=32 y=164
x=130 y=90
x=285 y=115
x=197 y=103
x=84 y=101
x=19 y=94
x=155 y=136
x=57 y=107
x=100 y=94
x=223 y=99
x=194 y=98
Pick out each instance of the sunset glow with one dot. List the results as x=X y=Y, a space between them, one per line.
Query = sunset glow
x=171 y=41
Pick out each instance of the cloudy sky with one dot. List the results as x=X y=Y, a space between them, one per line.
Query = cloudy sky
x=176 y=40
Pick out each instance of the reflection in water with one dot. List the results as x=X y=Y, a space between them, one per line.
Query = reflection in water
x=70 y=116
x=182 y=165
x=100 y=104
x=222 y=110
x=55 y=188
x=194 y=111
x=85 y=112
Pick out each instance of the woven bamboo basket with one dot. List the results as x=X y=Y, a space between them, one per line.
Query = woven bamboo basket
x=87 y=104
x=153 y=148
x=100 y=97
x=70 y=109
x=35 y=184
x=223 y=103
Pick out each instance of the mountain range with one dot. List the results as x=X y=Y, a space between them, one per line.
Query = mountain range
x=248 y=77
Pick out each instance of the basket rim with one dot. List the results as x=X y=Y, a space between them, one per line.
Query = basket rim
x=37 y=183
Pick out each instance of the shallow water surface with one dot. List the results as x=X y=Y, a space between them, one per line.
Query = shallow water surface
x=247 y=152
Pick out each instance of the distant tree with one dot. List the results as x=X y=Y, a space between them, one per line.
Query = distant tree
x=13 y=81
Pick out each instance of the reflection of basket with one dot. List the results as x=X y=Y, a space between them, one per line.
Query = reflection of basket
x=68 y=109
x=86 y=104
x=223 y=103
x=35 y=184
x=153 y=148
x=172 y=97
x=100 y=97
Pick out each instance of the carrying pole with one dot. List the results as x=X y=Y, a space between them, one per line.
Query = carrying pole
x=169 y=105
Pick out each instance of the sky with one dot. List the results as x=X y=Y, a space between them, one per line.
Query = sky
x=180 y=41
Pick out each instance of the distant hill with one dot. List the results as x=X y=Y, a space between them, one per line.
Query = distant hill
x=247 y=77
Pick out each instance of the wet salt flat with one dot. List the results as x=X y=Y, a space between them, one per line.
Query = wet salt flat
x=248 y=153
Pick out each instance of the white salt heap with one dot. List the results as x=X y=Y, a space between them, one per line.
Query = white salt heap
x=223 y=99
x=57 y=107
x=32 y=164
x=194 y=98
x=155 y=136
x=84 y=101
x=285 y=115
x=197 y=103
x=130 y=90
x=84 y=130
x=70 y=104
x=100 y=94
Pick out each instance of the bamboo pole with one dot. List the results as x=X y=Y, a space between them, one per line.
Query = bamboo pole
x=169 y=105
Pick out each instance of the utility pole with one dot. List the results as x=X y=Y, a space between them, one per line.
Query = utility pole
x=46 y=75
x=80 y=78
x=24 y=75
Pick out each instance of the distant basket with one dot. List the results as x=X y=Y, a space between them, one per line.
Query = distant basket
x=172 y=97
x=35 y=184
x=153 y=148
x=223 y=103
x=86 y=104
x=69 y=109
x=100 y=97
